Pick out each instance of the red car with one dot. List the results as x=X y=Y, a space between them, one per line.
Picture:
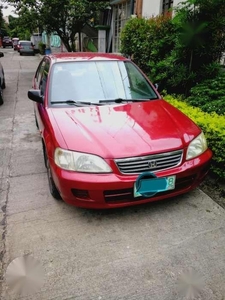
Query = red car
x=7 y=42
x=109 y=139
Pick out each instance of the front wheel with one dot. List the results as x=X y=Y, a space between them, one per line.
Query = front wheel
x=1 y=97
x=36 y=122
x=3 y=85
x=52 y=187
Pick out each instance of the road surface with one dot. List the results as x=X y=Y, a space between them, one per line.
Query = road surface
x=135 y=253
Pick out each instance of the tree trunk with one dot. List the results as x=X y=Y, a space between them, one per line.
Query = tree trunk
x=72 y=39
x=187 y=90
x=66 y=43
x=79 y=33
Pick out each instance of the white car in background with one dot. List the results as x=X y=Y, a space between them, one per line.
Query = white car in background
x=2 y=80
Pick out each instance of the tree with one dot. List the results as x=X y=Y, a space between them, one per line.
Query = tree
x=64 y=17
x=3 y=25
x=18 y=27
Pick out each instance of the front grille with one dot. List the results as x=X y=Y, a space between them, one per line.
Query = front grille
x=126 y=195
x=152 y=163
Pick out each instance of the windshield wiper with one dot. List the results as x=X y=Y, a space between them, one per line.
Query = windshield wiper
x=73 y=102
x=120 y=100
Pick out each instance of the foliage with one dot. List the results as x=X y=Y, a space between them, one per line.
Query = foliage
x=200 y=28
x=19 y=27
x=179 y=52
x=41 y=47
x=3 y=26
x=150 y=43
x=66 y=17
x=210 y=95
x=135 y=41
x=213 y=126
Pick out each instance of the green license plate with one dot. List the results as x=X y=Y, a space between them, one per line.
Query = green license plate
x=155 y=185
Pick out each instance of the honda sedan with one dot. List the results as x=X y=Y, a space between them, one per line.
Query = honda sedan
x=25 y=47
x=109 y=139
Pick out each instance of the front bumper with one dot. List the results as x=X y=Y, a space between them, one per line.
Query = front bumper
x=22 y=51
x=102 y=191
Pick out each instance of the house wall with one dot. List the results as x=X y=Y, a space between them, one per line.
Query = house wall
x=151 y=8
x=176 y=2
x=154 y=7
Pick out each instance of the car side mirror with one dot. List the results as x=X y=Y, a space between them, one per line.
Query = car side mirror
x=1 y=54
x=35 y=95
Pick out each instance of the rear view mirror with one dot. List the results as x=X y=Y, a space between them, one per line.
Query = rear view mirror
x=1 y=54
x=35 y=95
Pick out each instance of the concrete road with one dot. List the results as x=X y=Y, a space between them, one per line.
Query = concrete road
x=132 y=254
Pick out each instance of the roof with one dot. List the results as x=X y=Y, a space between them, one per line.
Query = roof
x=80 y=56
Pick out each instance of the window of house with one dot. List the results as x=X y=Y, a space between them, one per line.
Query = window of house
x=121 y=16
x=166 y=6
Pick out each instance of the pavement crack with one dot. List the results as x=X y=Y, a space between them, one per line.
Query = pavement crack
x=26 y=174
x=196 y=235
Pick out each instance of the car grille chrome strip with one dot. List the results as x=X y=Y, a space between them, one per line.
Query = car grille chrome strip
x=152 y=163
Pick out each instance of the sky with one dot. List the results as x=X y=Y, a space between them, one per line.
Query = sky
x=8 y=11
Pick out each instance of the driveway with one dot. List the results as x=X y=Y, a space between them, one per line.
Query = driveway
x=135 y=253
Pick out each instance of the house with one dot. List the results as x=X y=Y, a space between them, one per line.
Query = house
x=122 y=10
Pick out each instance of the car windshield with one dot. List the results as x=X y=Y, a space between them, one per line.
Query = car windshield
x=98 y=81
x=25 y=44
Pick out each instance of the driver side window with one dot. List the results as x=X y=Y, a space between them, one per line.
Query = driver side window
x=44 y=77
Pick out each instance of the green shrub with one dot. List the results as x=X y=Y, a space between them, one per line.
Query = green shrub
x=150 y=42
x=213 y=126
x=135 y=41
x=179 y=52
x=210 y=95
x=41 y=47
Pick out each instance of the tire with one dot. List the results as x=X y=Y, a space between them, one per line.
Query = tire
x=1 y=97
x=36 y=122
x=52 y=187
x=44 y=154
x=20 y=54
x=3 y=85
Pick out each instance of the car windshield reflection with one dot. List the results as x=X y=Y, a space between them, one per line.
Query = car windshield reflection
x=96 y=81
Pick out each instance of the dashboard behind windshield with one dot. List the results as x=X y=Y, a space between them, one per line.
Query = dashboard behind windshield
x=92 y=81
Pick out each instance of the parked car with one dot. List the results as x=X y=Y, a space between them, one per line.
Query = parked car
x=109 y=139
x=26 y=47
x=15 y=43
x=2 y=80
x=7 y=42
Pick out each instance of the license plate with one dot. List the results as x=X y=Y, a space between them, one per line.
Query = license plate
x=155 y=185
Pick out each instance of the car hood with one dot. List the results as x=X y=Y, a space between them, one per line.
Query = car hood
x=116 y=131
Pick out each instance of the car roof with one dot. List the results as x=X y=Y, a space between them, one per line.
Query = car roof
x=84 y=56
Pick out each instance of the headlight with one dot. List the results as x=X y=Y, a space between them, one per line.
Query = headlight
x=80 y=162
x=197 y=146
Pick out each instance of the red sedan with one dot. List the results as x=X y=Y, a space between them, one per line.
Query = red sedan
x=109 y=139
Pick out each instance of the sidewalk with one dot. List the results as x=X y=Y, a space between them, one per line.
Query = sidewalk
x=58 y=50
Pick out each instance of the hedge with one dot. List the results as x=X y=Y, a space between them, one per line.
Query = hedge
x=213 y=126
